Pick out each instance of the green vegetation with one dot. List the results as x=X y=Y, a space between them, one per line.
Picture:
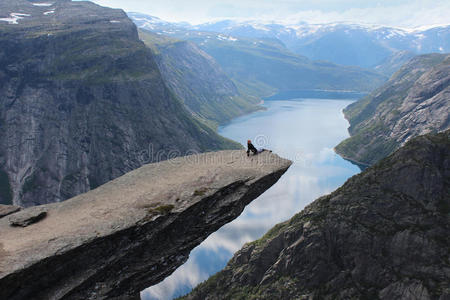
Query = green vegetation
x=200 y=192
x=265 y=65
x=271 y=234
x=197 y=81
x=156 y=41
x=373 y=118
x=161 y=210
x=282 y=288
x=96 y=58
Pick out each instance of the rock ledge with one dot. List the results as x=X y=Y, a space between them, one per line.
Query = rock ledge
x=132 y=232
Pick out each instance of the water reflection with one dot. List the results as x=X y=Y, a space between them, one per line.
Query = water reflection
x=303 y=130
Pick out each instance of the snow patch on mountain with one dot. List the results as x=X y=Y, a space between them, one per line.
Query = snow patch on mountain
x=43 y=4
x=14 y=18
x=222 y=37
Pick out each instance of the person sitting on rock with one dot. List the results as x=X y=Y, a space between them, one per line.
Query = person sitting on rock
x=251 y=148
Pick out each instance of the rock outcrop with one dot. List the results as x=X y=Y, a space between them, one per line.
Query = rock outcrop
x=132 y=232
x=197 y=79
x=82 y=102
x=415 y=101
x=7 y=210
x=28 y=217
x=394 y=62
x=383 y=235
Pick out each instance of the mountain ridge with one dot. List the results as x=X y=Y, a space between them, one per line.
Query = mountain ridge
x=413 y=102
x=198 y=80
x=341 y=43
x=264 y=67
x=382 y=235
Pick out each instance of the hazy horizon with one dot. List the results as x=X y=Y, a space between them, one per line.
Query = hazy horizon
x=400 y=13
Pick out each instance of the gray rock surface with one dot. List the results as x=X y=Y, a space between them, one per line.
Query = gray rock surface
x=383 y=235
x=82 y=102
x=6 y=210
x=28 y=217
x=394 y=62
x=132 y=232
x=415 y=101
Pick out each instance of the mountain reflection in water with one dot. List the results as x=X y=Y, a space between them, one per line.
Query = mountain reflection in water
x=303 y=130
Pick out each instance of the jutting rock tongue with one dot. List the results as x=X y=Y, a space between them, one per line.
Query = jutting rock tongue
x=132 y=232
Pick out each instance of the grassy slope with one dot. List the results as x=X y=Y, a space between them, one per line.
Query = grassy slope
x=265 y=66
x=198 y=81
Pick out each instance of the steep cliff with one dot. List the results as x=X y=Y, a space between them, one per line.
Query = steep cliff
x=82 y=102
x=394 y=62
x=198 y=80
x=382 y=235
x=130 y=233
x=415 y=101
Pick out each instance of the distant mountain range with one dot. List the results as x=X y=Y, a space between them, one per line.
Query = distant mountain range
x=415 y=101
x=345 y=44
x=263 y=66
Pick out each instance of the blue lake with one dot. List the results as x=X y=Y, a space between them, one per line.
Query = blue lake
x=303 y=130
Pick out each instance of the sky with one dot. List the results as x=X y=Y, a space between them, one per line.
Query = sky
x=396 y=13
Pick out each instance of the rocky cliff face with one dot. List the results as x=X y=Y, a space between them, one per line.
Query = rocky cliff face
x=415 y=101
x=198 y=80
x=82 y=102
x=382 y=235
x=394 y=62
x=130 y=233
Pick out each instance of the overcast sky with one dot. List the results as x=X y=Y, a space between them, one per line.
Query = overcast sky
x=400 y=13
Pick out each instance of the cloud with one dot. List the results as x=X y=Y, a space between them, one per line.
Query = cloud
x=410 y=15
x=190 y=274
x=400 y=13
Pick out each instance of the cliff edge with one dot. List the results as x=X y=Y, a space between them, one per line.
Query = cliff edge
x=130 y=233
x=382 y=235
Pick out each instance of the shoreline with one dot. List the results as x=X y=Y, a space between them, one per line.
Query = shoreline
x=360 y=165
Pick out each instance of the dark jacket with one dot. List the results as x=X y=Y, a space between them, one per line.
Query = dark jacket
x=251 y=148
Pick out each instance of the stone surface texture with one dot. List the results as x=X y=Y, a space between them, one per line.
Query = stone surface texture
x=7 y=210
x=132 y=232
x=82 y=102
x=415 y=101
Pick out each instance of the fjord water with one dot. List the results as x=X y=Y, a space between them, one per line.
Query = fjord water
x=303 y=130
